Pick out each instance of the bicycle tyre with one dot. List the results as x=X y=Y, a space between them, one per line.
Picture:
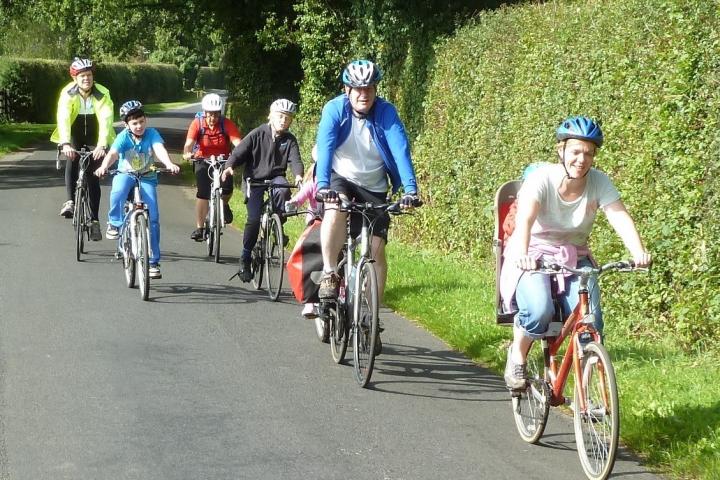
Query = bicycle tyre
x=217 y=228
x=531 y=407
x=79 y=223
x=365 y=321
x=597 y=430
x=274 y=257
x=209 y=239
x=142 y=257
x=128 y=260
x=338 y=333
x=257 y=263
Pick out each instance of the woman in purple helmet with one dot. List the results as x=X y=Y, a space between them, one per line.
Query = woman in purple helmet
x=557 y=205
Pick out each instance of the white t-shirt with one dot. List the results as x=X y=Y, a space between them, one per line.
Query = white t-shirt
x=359 y=160
x=561 y=222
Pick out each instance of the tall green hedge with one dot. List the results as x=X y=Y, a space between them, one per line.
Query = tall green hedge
x=649 y=70
x=210 y=77
x=34 y=85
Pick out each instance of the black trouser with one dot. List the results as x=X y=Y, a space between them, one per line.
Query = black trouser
x=255 y=211
x=82 y=134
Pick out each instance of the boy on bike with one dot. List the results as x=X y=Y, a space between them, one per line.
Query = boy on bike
x=84 y=118
x=556 y=210
x=361 y=141
x=137 y=147
x=265 y=153
x=208 y=135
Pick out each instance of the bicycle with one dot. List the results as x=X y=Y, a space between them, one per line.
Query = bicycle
x=268 y=255
x=358 y=294
x=134 y=240
x=595 y=406
x=82 y=213
x=215 y=220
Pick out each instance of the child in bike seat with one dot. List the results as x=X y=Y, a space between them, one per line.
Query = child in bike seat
x=557 y=205
x=136 y=147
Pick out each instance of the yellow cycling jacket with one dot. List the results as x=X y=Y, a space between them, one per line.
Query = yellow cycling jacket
x=69 y=107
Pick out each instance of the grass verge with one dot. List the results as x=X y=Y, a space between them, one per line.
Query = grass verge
x=14 y=136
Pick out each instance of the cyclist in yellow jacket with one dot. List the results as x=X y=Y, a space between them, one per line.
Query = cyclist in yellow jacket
x=84 y=118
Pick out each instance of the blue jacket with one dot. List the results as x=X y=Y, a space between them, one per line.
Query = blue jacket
x=387 y=132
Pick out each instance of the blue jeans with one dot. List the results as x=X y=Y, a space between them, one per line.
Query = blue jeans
x=535 y=303
x=121 y=186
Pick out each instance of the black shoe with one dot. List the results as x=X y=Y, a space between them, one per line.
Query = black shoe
x=286 y=240
x=245 y=272
x=227 y=213
x=198 y=234
x=378 y=345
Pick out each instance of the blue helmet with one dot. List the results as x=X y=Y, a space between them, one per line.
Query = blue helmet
x=361 y=73
x=580 y=128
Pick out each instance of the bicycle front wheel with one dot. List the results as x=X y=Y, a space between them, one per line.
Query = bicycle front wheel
x=531 y=406
x=142 y=256
x=217 y=218
x=274 y=257
x=365 y=321
x=597 y=425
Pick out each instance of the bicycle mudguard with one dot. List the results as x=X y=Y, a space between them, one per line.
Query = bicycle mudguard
x=505 y=206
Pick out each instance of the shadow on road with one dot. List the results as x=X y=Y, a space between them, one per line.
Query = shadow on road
x=191 y=293
x=456 y=378
x=30 y=174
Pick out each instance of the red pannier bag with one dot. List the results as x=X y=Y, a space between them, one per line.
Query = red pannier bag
x=305 y=265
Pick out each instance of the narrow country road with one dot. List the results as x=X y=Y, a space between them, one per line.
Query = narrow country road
x=209 y=379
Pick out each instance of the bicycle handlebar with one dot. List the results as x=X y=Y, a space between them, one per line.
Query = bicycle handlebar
x=393 y=208
x=553 y=268
x=141 y=172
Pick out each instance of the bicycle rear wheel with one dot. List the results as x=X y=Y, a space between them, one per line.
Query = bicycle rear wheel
x=257 y=263
x=274 y=257
x=597 y=427
x=216 y=230
x=209 y=238
x=338 y=332
x=79 y=223
x=365 y=322
x=531 y=406
x=127 y=256
x=142 y=256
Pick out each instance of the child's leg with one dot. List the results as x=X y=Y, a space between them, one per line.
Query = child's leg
x=121 y=185
x=149 y=195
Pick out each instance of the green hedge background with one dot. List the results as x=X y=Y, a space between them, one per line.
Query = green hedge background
x=650 y=72
x=33 y=86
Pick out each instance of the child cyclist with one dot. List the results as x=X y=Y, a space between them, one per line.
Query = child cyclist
x=136 y=147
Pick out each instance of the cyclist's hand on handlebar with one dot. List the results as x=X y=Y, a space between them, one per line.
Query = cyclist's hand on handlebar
x=187 y=156
x=225 y=173
x=642 y=260
x=101 y=171
x=99 y=153
x=526 y=262
x=69 y=151
x=327 y=195
x=410 y=200
x=174 y=169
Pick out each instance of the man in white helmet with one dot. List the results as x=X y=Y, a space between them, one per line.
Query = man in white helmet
x=265 y=154
x=210 y=134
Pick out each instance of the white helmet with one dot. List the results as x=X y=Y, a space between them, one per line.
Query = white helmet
x=212 y=103
x=283 y=105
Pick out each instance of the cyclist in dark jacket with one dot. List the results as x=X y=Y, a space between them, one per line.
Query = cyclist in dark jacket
x=265 y=154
